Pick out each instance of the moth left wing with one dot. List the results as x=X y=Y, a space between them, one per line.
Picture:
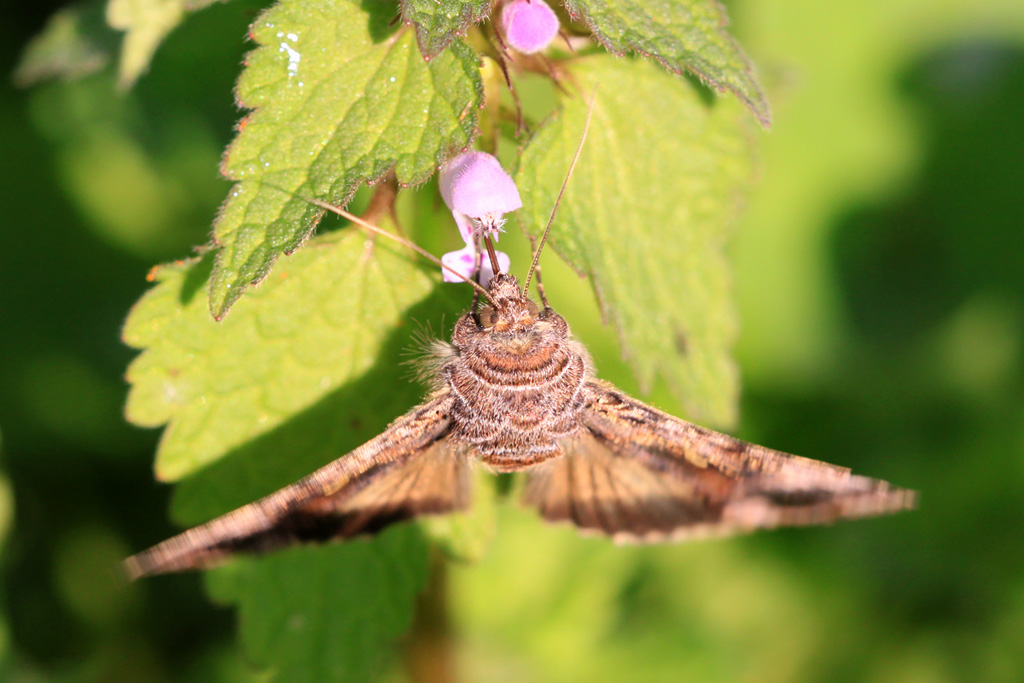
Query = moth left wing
x=408 y=470
x=598 y=488
x=637 y=473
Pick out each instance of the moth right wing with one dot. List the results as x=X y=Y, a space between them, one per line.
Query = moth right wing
x=637 y=473
x=406 y=471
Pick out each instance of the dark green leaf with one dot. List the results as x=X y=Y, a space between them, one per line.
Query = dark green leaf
x=439 y=22
x=680 y=34
x=340 y=99
x=329 y=613
x=646 y=216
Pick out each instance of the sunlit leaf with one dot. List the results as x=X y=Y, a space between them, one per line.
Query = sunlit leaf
x=681 y=35
x=319 y=323
x=439 y=22
x=341 y=97
x=646 y=216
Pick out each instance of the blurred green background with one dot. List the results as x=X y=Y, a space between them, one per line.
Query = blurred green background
x=880 y=276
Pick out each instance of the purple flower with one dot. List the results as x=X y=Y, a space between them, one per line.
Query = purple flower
x=479 y=193
x=528 y=25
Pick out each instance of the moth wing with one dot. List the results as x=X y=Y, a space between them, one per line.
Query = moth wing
x=406 y=471
x=597 y=488
x=640 y=474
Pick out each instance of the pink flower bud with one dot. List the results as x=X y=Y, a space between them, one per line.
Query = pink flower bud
x=528 y=25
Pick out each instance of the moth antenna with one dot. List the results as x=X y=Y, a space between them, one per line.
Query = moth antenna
x=401 y=240
x=558 y=200
x=540 y=283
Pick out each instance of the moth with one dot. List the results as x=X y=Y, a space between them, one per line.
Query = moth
x=515 y=392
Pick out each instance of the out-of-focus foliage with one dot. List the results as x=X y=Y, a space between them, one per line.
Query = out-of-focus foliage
x=146 y=23
x=75 y=42
x=6 y=520
x=878 y=269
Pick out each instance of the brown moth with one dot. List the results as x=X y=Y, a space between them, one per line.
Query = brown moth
x=515 y=392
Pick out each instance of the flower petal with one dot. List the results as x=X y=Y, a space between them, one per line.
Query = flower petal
x=475 y=184
x=462 y=261
x=465 y=227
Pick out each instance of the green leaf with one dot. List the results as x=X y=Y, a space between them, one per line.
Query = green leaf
x=340 y=99
x=438 y=22
x=681 y=35
x=328 y=613
x=75 y=42
x=305 y=369
x=646 y=217
x=318 y=324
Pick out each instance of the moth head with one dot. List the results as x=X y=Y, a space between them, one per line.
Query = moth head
x=509 y=310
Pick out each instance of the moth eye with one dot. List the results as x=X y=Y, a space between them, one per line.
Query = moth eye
x=487 y=317
x=532 y=309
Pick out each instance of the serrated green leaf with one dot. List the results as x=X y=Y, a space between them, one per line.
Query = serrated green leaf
x=304 y=370
x=329 y=613
x=75 y=42
x=439 y=22
x=341 y=98
x=681 y=35
x=646 y=216
x=316 y=325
